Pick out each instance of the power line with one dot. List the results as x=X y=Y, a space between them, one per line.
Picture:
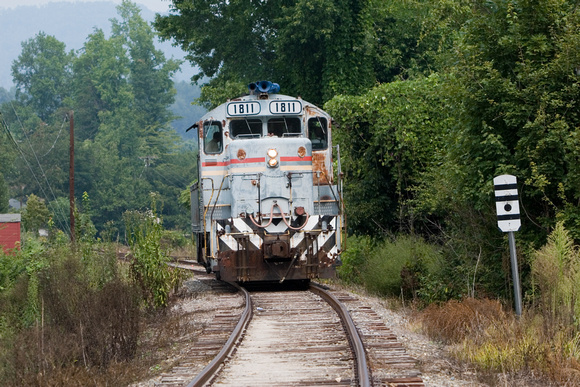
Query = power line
x=55 y=209
x=57 y=137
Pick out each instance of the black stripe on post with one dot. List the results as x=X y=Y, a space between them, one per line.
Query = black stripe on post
x=501 y=187
x=508 y=217
x=506 y=198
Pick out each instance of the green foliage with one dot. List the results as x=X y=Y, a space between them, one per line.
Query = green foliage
x=354 y=258
x=35 y=215
x=84 y=308
x=149 y=267
x=219 y=91
x=120 y=90
x=151 y=73
x=173 y=239
x=515 y=68
x=389 y=136
x=7 y=95
x=11 y=267
x=84 y=227
x=312 y=48
x=556 y=274
x=406 y=266
x=19 y=273
x=397 y=267
x=414 y=38
x=37 y=151
x=42 y=74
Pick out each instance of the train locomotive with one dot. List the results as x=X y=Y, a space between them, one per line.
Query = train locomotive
x=267 y=205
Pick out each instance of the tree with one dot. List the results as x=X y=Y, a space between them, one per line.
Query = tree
x=42 y=74
x=120 y=91
x=413 y=38
x=35 y=215
x=6 y=159
x=36 y=153
x=150 y=73
x=313 y=49
x=123 y=93
x=7 y=95
x=517 y=71
x=100 y=82
x=223 y=37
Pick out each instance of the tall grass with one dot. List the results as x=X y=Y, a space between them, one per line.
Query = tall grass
x=556 y=274
x=544 y=341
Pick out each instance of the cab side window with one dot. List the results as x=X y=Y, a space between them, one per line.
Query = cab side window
x=318 y=132
x=213 y=137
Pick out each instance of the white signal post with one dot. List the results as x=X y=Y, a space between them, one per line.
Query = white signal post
x=507 y=205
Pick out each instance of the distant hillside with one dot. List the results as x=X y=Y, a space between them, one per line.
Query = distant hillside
x=70 y=23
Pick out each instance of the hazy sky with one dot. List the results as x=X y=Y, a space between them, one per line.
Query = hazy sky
x=154 y=5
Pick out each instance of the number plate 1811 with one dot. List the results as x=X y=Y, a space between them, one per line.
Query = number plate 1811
x=285 y=107
x=243 y=108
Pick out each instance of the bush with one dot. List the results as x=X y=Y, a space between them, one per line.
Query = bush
x=149 y=267
x=61 y=310
x=354 y=258
x=399 y=267
x=173 y=240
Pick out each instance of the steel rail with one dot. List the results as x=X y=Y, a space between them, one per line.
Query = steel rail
x=211 y=369
x=364 y=377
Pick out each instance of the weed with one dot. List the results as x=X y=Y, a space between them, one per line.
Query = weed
x=556 y=273
x=455 y=320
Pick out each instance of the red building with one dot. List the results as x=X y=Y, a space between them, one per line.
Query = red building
x=9 y=231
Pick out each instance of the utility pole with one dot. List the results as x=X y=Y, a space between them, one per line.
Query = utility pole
x=72 y=176
x=148 y=160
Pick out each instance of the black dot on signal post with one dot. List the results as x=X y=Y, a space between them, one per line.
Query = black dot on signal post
x=507 y=207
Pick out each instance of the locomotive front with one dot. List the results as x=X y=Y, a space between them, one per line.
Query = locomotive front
x=266 y=206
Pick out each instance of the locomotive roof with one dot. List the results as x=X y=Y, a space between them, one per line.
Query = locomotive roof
x=220 y=112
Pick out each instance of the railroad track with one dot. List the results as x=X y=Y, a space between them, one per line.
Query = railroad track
x=303 y=338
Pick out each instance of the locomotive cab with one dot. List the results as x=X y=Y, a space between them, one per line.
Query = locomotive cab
x=266 y=207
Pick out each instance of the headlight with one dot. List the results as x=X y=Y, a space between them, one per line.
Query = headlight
x=272 y=153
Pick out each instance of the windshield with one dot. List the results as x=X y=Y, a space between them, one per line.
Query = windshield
x=283 y=127
x=246 y=128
